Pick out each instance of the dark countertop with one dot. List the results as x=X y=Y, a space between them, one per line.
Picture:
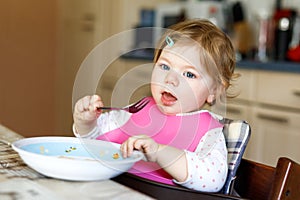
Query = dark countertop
x=281 y=66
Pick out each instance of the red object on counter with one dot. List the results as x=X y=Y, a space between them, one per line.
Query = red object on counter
x=294 y=54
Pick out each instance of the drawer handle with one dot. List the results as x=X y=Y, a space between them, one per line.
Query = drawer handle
x=296 y=93
x=233 y=110
x=273 y=118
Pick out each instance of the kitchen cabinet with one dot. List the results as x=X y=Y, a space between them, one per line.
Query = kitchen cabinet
x=270 y=102
x=279 y=89
x=275 y=134
x=243 y=92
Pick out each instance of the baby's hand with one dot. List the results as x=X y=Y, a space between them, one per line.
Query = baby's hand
x=86 y=113
x=142 y=143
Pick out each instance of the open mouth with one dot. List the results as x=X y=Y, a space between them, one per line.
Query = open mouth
x=167 y=98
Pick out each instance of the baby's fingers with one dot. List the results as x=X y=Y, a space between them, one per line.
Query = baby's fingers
x=86 y=103
x=83 y=104
x=123 y=149
x=96 y=102
x=139 y=144
x=127 y=147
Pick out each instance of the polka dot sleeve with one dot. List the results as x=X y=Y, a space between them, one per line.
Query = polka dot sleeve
x=207 y=166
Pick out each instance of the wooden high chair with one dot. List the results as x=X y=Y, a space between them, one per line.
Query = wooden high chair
x=253 y=181
x=262 y=182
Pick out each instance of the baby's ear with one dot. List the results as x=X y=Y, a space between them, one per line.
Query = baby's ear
x=211 y=99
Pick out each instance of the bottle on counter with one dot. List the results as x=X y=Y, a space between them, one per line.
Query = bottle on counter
x=265 y=38
x=242 y=33
x=284 y=21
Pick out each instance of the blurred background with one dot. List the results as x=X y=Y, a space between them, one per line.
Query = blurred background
x=42 y=44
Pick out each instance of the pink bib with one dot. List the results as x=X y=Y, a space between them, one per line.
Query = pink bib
x=180 y=131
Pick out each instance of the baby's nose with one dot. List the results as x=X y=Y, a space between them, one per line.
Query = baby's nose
x=172 y=78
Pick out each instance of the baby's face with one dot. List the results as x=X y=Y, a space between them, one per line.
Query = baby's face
x=179 y=81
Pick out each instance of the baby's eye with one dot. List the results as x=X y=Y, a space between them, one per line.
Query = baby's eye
x=164 y=67
x=189 y=75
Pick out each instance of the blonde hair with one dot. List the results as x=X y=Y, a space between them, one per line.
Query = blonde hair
x=214 y=41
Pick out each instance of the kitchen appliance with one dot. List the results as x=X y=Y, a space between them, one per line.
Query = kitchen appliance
x=284 y=21
x=167 y=14
x=294 y=49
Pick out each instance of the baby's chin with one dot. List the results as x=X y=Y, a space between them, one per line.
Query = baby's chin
x=176 y=110
x=166 y=111
x=169 y=110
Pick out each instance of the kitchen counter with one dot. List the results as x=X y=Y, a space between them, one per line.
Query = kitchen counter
x=292 y=67
x=282 y=66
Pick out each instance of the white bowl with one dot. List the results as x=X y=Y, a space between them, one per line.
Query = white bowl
x=75 y=159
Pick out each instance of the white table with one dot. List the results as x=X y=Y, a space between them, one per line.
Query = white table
x=18 y=181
